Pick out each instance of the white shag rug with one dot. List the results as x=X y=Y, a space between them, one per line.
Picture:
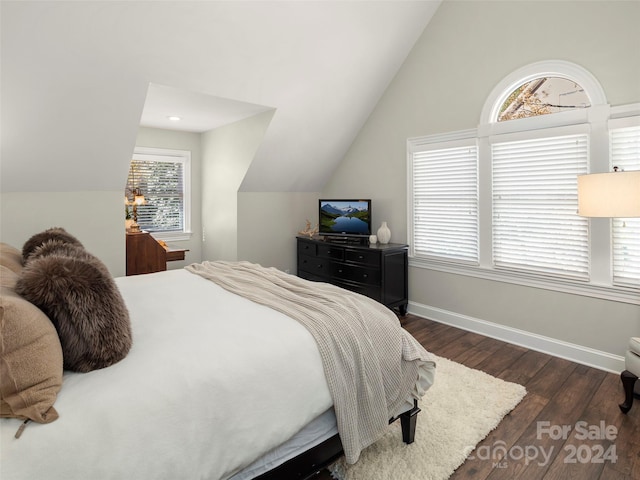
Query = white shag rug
x=458 y=411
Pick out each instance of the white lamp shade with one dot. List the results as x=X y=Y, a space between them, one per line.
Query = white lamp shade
x=615 y=194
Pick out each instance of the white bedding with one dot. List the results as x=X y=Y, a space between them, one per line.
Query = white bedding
x=374 y=368
x=125 y=421
x=314 y=433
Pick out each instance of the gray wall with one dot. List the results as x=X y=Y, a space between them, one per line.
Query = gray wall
x=96 y=218
x=442 y=87
x=268 y=223
x=255 y=226
x=227 y=154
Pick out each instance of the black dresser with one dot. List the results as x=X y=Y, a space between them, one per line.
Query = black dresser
x=377 y=271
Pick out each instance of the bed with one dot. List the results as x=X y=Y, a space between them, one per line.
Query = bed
x=215 y=386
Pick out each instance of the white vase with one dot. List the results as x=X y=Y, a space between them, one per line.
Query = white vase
x=384 y=234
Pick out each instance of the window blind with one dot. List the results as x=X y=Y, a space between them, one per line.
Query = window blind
x=445 y=203
x=624 y=147
x=535 y=225
x=162 y=184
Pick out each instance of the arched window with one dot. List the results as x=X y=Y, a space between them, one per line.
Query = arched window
x=543 y=96
x=500 y=201
x=546 y=87
x=534 y=169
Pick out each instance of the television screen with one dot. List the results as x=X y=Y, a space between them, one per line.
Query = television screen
x=345 y=217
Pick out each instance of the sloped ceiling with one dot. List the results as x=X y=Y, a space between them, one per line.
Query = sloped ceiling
x=182 y=110
x=75 y=76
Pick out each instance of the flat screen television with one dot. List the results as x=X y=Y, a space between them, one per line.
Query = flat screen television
x=344 y=217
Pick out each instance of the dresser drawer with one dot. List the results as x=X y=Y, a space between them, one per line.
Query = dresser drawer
x=362 y=256
x=314 y=265
x=331 y=251
x=307 y=248
x=370 y=291
x=354 y=273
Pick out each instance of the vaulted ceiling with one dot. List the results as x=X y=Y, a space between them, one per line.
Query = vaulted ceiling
x=76 y=75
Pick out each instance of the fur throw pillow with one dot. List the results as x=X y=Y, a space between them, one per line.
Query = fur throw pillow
x=60 y=247
x=55 y=233
x=79 y=295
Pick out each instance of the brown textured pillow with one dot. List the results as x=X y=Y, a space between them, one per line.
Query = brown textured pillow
x=78 y=294
x=60 y=247
x=30 y=357
x=54 y=233
x=10 y=257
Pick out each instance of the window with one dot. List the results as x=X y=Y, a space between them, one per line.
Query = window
x=625 y=154
x=535 y=198
x=543 y=96
x=518 y=189
x=163 y=176
x=445 y=202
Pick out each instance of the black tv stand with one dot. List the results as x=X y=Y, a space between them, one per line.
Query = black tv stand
x=344 y=240
x=379 y=271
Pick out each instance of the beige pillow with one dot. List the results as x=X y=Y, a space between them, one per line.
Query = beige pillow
x=10 y=257
x=30 y=358
x=8 y=277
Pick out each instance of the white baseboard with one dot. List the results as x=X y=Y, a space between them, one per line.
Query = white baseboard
x=552 y=346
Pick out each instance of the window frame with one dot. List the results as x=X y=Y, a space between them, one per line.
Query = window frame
x=181 y=156
x=595 y=120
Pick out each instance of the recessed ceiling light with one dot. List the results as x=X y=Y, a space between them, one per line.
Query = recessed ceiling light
x=174 y=118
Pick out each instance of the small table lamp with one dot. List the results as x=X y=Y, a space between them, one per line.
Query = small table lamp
x=615 y=194
x=138 y=199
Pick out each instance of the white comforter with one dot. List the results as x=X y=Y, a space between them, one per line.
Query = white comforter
x=371 y=364
x=194 y=399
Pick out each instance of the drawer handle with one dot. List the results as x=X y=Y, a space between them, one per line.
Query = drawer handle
x=340 y=271
x=360 y=257
x=364 y=275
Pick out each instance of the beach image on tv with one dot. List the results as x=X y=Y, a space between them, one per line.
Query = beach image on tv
x=344 y=217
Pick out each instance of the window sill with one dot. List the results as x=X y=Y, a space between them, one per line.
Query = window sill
x=172 y=236
x=606 y=292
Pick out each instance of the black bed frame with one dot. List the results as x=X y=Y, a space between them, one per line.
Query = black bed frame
x=309 y=463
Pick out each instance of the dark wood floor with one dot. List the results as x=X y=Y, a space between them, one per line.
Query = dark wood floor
x=560 y=395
